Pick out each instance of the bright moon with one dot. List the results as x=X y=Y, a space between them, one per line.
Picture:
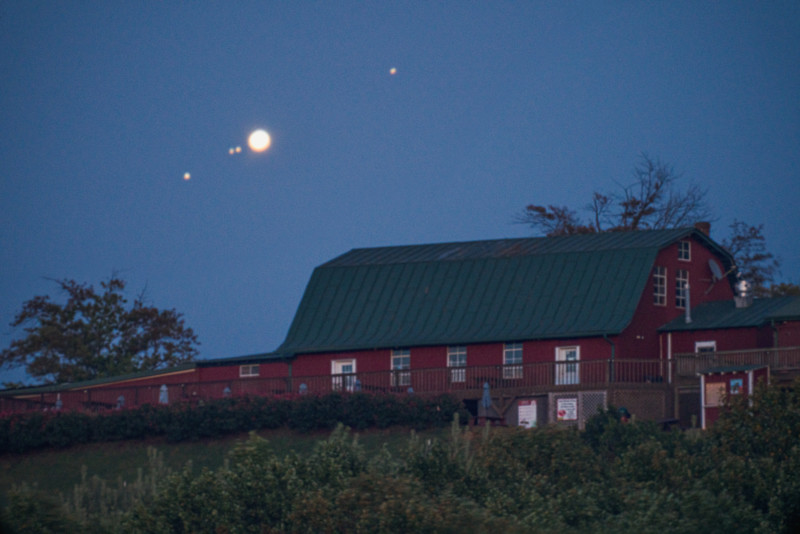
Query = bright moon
x=259 y=141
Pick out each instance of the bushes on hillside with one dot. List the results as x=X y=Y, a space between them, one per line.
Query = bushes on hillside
x=183 y=421
x=614 y=477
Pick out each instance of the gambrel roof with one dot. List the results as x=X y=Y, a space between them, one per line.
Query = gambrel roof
x=479 y=291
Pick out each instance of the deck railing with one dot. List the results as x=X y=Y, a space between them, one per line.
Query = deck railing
x=463 y=381
x=689 y=365
x=467 y=382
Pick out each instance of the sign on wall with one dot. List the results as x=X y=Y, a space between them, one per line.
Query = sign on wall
x=736 y=386
x=715 y=391
x=567 y=409
x=527 y=413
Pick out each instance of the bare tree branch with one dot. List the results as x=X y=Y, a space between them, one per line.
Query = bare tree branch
x=651 y=201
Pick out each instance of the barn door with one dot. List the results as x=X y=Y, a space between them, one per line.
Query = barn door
x=567 y=367
x=343 y=375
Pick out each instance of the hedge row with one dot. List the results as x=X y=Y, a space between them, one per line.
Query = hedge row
x=183 y=421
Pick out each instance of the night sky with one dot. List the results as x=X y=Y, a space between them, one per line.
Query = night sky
x=105 y=106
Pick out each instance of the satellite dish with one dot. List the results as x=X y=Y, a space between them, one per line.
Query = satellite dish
x=715 y=269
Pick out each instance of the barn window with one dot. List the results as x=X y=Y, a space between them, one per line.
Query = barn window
x=512 y=360
x=705 y=346
x=248 y=370
x=681 y=287
x=401 y=363
x=457 y=361
x=685 y=250
x=660 y=286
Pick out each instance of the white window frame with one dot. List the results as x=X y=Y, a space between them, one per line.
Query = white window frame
x=457 y=362
x=704 y=346
x=343 y=375
x=249 y=371
x=685 y=250
x=512 y=360
x=401 y=367
x=681 y=283
x=660 y=286
x=568 y=370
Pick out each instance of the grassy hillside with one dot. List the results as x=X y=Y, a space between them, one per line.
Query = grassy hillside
x=59 y=470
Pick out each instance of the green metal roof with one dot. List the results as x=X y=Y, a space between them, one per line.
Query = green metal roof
x=215 y=362
x=236 y=360
x=67 y=386
x=479 y=291
x=725 y=314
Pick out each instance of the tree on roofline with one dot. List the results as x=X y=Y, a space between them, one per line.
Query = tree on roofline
x=96 y=334
x=653 y=201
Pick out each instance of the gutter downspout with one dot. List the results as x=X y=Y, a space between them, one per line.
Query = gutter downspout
x=775 y=341
x=289 y=374
x=613 y=356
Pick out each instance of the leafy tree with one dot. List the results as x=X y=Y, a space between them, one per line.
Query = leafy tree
x=94 y=334
x=652 y=201
x=754 y=262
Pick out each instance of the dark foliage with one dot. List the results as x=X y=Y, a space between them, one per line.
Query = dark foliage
x=211 y=419
x=94 y=334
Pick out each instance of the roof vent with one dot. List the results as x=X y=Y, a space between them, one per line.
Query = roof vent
x=743 y=297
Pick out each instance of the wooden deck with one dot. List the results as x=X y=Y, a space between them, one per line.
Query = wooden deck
x=466 y=383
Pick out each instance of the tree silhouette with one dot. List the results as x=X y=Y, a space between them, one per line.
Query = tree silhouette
x=93 y=335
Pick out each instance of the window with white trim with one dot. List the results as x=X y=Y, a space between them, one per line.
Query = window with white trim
x=705 y=346
x=457 y=362
x=681 y=286
x=248 y=370
x=512 y=360
x=401 y=363
x=685 y=250
x=660 y=286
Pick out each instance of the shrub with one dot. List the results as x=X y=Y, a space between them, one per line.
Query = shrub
x=216 y=418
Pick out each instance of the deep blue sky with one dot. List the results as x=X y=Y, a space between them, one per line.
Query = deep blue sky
x=105 y=105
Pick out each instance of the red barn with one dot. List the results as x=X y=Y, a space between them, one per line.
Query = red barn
x=531 y=329
x=530 y=317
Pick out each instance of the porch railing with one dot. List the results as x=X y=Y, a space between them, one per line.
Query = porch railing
x=464 y=381
x=779 y=360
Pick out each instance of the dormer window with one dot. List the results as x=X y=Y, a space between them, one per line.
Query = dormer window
x=685 y=250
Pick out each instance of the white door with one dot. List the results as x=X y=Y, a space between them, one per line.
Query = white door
x=343 y=373
x=567 y=367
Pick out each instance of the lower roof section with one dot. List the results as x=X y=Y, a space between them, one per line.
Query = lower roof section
x=725 y=314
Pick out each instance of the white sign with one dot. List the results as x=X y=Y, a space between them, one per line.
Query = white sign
x=526 y=410
x=567 y=409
